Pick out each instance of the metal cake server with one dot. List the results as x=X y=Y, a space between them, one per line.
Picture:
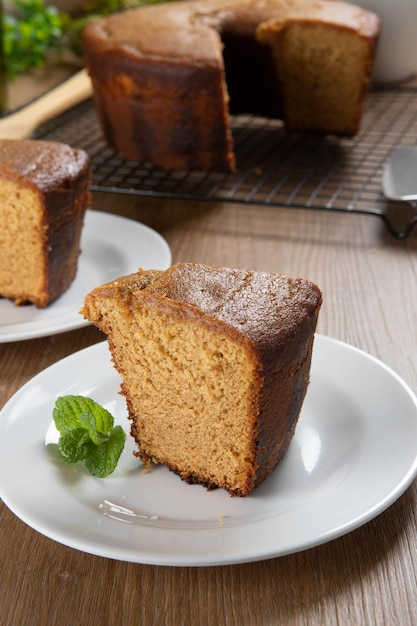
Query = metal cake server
x=399 y=181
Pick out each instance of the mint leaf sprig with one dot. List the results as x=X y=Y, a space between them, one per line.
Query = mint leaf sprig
x=88 y=434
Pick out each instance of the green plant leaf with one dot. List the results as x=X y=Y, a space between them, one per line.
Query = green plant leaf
x=74 y=411
x=72 y=445
x=102 y=460
x=87 y=434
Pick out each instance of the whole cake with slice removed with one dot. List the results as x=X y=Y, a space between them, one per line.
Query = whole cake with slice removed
x=167 y=77
x=215 y=366
x=43 y=198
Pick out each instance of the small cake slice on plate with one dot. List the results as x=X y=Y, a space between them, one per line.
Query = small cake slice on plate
x=214 y=364
x=43 y=198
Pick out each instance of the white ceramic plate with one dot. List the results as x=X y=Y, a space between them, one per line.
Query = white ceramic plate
x=111 y=246
x=353 y=454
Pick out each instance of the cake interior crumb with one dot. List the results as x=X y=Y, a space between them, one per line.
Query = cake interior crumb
x=22 y=262
x=190 y=390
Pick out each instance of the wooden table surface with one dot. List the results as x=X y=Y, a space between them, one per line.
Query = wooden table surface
x=369 y=282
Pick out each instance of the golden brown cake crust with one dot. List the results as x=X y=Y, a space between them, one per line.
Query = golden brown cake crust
x=257 y=305
x=189 y=31
x=47 y=165
x=271 y=320
x=159 y=76
x=58 y=176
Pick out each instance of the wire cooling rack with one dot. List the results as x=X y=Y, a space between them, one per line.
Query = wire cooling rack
x=273 y=167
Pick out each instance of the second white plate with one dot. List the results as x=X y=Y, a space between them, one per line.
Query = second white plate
x=111 y=246
x=353 y=454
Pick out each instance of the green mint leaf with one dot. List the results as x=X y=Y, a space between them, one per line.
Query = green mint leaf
x=87 y=434
x=102 y=460
x=69 y=409
x=97 y=424
x=72 y=445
